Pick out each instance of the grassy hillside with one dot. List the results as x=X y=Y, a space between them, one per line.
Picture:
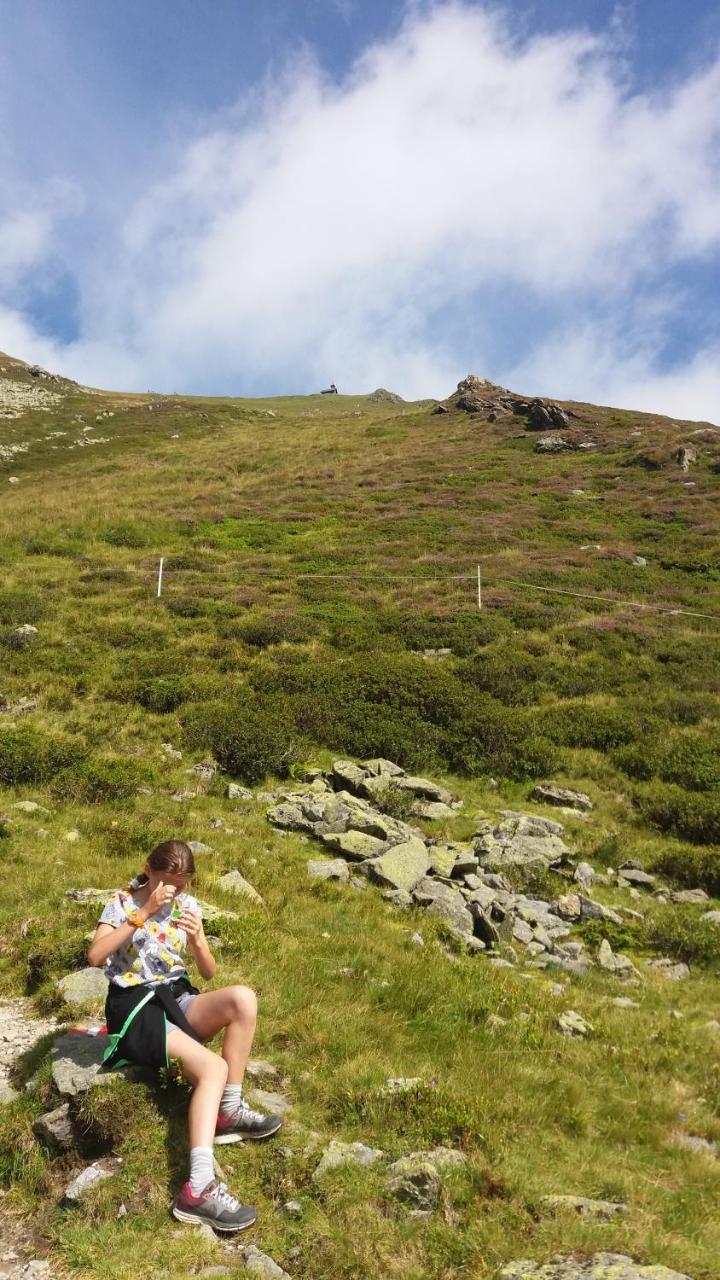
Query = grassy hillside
x=314 y=548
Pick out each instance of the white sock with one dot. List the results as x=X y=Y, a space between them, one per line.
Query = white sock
x=231 y=1098
x=202 y=1169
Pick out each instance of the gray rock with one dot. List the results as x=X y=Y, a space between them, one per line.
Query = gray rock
x=261 y=1265
x=711 y=917
x=634 y=875
x=602 y=1266
x=689 y=895
x=573 y=1024
x=257 y=1069
x=289 y=817
x=329 y=869
x=432 y=810
x=355 y=845
x=584 y=875
x=568 y=906
x=29 y=806
x=442 y=859
x=401 y=867
x=77 y=1061
x=591 y=910
x=624 y=1002
x=615 y=963
x=521 y=840
x=293 y=1209
x=693 y=1142
x=379 y=767
x=670 y=969
x=347 y=776
x=90 y=1177
x=420 y=1187
x=197 y=846
x=236 y=792
x=549 y=794
x=84 y=986
x=268 y=1100
x=233 y=882
x=91 y=897
x=425 y=788
x=337 y=1154
x=398 y=898
x=54 y=1128
x=585 y=1207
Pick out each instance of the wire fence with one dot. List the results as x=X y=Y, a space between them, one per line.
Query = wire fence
x=162 y=576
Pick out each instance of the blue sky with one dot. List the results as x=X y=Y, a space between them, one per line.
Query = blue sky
x=249 y=197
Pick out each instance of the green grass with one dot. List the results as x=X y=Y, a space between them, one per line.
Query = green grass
x=248 y=653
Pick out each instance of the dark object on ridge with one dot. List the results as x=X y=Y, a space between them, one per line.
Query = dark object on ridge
x=329 y=391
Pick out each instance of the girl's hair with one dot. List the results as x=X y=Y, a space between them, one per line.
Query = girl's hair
x=173 y=856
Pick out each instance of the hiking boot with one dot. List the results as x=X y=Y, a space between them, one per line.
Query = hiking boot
x=214 y=1205
x=243 y=1122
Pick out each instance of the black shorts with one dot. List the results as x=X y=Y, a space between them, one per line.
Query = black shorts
x=138 y=1021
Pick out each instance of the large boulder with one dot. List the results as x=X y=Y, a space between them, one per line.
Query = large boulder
x=520 y=840
x=234 y=882
x=354 y=845
x=337 y=1154
x=77 y=1065
x=548 y=793
x=83 y=987
x=402 y=866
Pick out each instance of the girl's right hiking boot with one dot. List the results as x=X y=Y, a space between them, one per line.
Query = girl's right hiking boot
x=244 y=1122
x=214 y=1205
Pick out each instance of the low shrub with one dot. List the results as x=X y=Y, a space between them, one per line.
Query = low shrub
x=250 y=738
x=275 y=628
x=691 y=761
x=99 y=778
x=429 y=1112
x=128 y=533
x=678 y=931
x=586 y=725
x=161 y=695
x=689 y=815
x=695 y=868
x=32 y=756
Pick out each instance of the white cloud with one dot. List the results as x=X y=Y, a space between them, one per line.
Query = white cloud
x=320 y=232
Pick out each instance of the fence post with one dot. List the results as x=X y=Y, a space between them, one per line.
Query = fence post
x=160 y=572
x=479 y=589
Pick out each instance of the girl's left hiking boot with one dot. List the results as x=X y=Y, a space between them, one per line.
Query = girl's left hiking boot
x=215 y=1205
x=243 y=1122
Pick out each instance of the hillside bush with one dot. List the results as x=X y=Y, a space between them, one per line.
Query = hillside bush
x=693 y=762
x=690 y=866
x=32 y=756
x=18 y=606
x=586 y=725
x=689 y=815
x=512 y=676
x=161 y=695
x=678 y=931
x=275 y=628
x=99 y=778
x=128 y=533
x=250 y=738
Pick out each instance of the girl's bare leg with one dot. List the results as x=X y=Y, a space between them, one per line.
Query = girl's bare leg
x=207 y=1073
x=234 y=1008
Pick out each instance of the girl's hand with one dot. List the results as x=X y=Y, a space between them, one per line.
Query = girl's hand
x=192 y=924
x=159 y=898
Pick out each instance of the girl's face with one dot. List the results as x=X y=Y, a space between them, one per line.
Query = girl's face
x=178 y=882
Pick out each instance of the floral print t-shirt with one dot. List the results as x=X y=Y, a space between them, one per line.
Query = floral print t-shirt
x=153 y=953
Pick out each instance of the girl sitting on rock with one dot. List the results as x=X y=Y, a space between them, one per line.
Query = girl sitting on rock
x=154 y=1013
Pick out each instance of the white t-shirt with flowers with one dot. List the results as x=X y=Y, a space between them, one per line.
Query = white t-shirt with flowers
x=153 y=953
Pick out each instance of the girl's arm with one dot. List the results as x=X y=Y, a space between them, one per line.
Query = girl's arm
x=108 y=938
x=198 y=943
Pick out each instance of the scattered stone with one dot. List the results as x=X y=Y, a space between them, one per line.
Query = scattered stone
x=615 y=963
x=236 y=792
x=293 y=1209
x=90 y=1177
x=233 y=882
x=85 y=985
x=259 y=1264
x=585 y=1207
x=547 y=793
x=634 y=875
x=573 y=1024
x=329 y=869
x=624 y=1002
x=693 y=1142
x=54 y=1128
x=602 y=1266
x=591 y=910
x=417 y=940
x=338 y=1154
x=29 y=806
x=402 y=866
x=711 y=917
x=170 y=751
x=584 y=875
x=20 y=1029
x=520 y=840
x=355 y=845
x=268 y=1100
x=670 y=969
x=689 y=895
